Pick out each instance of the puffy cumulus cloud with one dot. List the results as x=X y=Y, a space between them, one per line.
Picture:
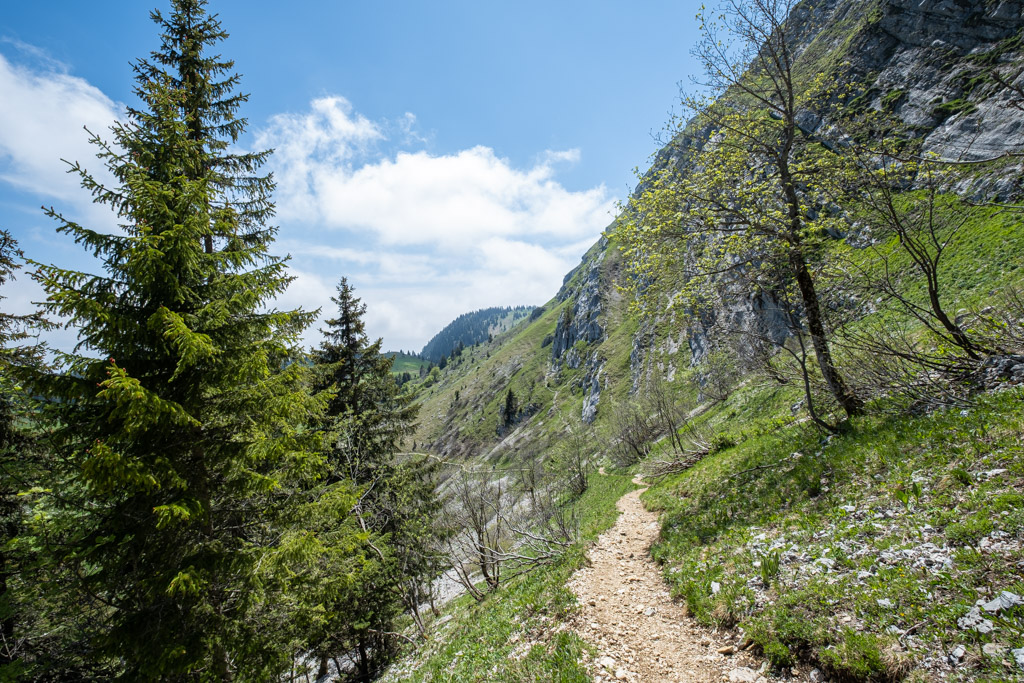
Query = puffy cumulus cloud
x=327 y=172
x=424 y=237
x=419 y=198
x=329 y=135
x=43 y=111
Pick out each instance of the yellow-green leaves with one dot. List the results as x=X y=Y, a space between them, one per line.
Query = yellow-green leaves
x=193 y=348
x=106 y=470
x=186 y=582
x=137 y=408
x=178 y=512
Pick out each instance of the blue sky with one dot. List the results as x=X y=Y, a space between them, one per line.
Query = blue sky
x=444 y=156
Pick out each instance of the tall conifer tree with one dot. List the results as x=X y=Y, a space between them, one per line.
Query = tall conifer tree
x=367 y=419
x=367 y=405
x=20 y=464
x=181 y=420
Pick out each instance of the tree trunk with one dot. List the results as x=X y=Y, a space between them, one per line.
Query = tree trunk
x=220 y=663
x=808 y=295
x=816 y=327
x=960 y=337
x=364 y=661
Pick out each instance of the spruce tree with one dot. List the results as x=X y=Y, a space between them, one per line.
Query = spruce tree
x=181 y=435
x=510 y=409
x=367 y=404
x=20 y=465
x=367 y=418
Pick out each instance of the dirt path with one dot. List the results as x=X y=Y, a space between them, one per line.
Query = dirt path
x=640 y=633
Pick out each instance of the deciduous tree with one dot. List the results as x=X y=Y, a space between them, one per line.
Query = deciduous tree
x=746 y=194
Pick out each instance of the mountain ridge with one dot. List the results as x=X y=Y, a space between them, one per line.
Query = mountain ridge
x=472 y=328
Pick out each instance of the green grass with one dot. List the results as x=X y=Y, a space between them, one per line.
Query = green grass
x=510 y=635
x=792 y=489
x=403 y=362
x=775 y=487
x=944 y=110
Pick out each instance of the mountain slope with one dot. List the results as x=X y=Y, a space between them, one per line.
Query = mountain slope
x=861 y=553
x=472 y=328
x=936 y=65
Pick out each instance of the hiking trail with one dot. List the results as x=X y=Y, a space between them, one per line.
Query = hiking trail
x=628 y=615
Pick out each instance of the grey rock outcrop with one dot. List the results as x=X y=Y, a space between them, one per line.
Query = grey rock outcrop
x=580 y=326
x=579 y=320
x=592 y=389
x=641 y=354
x=931 y=63
x=756 y=316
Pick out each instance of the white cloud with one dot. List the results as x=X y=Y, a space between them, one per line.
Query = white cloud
x=570 y=156
x=411 y=296
x=42 y=115
x=418 y=197
x=328 y=136
x=448 y=200
x=424 y=237
x=407 y=124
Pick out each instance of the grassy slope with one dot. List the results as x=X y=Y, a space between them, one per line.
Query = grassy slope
x=513 y=635
x=849 y=519
x=403 y=362
x=518 y=359
x=850 y=500
x=867 y=502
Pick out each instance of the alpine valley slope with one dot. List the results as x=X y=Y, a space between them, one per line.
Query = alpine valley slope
x=874 y=583
x=928 y=62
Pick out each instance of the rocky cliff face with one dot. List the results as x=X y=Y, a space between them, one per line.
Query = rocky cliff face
x=580 y=320
x=579 y=326
x=951 y=70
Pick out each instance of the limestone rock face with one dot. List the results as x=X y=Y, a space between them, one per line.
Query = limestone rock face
x=931 y=64
x=922 y=54
x=580 y=321
x=937 y=52
x=592 y=388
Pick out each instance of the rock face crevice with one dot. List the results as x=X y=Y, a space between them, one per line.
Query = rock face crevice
x=580 y=326
x=592 y=388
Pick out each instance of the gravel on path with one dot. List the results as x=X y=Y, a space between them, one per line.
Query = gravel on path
x=628 y=615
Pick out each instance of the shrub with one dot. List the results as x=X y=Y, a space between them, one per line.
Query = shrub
x=855 y=656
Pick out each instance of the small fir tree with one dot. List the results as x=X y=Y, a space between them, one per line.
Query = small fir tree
x=366 y=420
x=511 y=408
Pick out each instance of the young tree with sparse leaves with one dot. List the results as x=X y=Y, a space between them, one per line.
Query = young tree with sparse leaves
x=747 y=201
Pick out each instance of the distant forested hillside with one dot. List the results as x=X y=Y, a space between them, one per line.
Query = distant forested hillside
x=473 y=328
